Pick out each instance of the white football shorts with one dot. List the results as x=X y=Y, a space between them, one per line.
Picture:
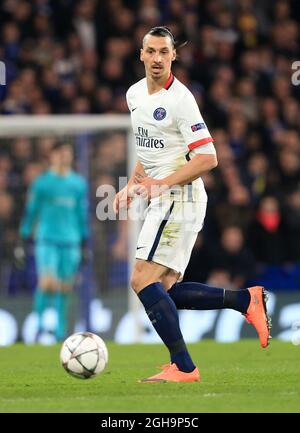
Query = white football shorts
x=170 y=231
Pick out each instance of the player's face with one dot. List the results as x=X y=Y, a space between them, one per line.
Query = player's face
x=54 y=157
x=157 y=54
x=66 y=155
x=62 y=157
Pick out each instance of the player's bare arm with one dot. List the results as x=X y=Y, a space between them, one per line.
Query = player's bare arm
x=124 y=197
x=193 y=169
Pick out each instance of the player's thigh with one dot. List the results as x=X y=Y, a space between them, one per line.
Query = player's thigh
x=46 y=258
x=168 y=236
x=190 y=219
x=69 y=262
x=145 y=273
x=154 y=230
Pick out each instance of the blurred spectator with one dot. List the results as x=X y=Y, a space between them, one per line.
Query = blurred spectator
x=291 y=218
x=265 y=235
x=257 y=171
x=221 y=278
x=200 y=263
x=234 y=256
x=6 y=234
x=289 y=170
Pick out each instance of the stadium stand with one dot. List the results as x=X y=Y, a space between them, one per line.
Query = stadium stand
x=80 y=57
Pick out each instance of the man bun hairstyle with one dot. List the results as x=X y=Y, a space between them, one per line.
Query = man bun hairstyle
x=163 y=31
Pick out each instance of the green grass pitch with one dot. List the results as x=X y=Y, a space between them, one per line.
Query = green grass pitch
x=237 y=377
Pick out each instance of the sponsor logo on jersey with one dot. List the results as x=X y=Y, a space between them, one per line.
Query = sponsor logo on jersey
x=198 y=126
x=151 y=142
x=143 y=140
x=159 y=113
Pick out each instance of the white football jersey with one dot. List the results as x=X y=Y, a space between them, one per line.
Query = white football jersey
x=168 y=129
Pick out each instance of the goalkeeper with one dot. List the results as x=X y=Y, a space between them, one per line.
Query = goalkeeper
x=56 y=216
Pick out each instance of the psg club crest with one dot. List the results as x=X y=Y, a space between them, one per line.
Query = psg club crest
x=159 y=114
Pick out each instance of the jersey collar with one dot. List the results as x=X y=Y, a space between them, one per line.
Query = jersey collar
x=169 y=82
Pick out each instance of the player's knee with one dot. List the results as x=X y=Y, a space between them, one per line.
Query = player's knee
x=145 y=273
x=138 y=276
x=170 y=279
x=136 y=282
x=139 y=281
x=167 y=284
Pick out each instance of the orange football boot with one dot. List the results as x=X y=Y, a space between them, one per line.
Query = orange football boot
x=171 y=373
x=257 y=314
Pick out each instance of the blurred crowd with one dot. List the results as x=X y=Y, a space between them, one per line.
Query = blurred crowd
x=81 y=56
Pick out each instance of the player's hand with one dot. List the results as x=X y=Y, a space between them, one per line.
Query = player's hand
x=148 y=187
x=122 y=199
x=138 y=178
x=20 y=255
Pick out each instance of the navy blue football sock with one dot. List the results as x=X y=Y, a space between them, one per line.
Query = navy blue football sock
x=238 y=300
x=163 y=315
x=197 y=296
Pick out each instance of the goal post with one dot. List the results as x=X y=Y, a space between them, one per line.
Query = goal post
x=20 y=125
x=88 y=133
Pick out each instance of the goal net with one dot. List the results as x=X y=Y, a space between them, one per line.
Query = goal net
x=105 y=156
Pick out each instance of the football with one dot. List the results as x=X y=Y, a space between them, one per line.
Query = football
x=84 y=355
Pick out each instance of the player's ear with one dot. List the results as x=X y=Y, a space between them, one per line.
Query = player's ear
x=174 y=55
x=142 y=54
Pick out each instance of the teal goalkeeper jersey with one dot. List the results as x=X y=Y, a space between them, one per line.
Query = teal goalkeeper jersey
x=56 y=208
